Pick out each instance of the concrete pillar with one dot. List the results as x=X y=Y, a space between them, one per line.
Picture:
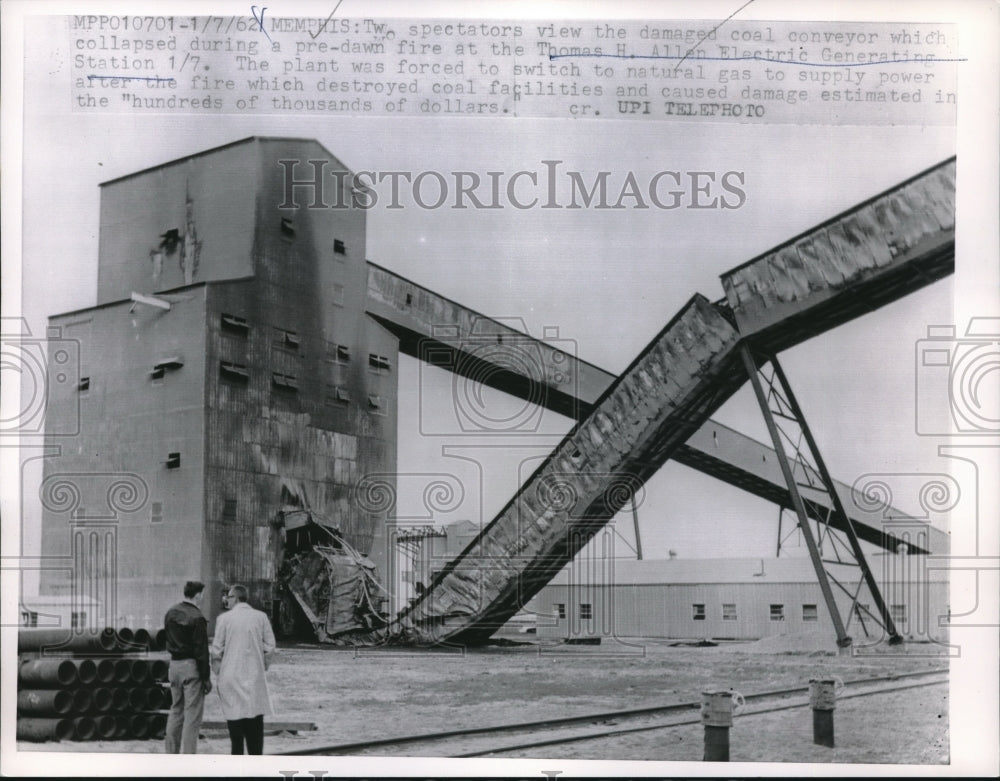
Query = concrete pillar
x=823 y=700
x=717 y=716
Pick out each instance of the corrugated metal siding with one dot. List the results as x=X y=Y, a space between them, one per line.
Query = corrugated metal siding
x=665 y=610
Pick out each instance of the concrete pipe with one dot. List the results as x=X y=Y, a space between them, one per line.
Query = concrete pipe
x=82 y=700
x=105 y=727
x=102 y=700
x=86 y=671
x=157 y=726
x=125 y=639
x=154 y=698
x=159 y=669
x=123 y=671
x=168 y=696
x=47 y=673
x=140 y=671
x=143 y=639
x=137 y=698
x=138 y=727
x=84 y=728
x=44 y=729
x=44 y=702
x=119 y=699
x=121 y=727
x=106 y=671
x=161 y=639
x=66 y=639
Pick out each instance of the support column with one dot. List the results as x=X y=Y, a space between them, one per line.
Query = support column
x=831 y=489
x=843 y=639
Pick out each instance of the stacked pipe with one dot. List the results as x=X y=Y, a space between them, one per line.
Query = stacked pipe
x=94 y=685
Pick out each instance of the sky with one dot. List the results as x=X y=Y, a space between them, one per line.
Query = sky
x=607 y=280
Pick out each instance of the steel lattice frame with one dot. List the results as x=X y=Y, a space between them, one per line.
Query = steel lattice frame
x=804 y=470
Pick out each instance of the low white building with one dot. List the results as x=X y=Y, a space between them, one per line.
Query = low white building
x=734 y=599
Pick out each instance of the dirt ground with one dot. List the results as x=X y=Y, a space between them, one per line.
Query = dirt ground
x=363 y=694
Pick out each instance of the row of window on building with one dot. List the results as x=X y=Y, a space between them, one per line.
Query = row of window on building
x=239 y=374
x=810 y=612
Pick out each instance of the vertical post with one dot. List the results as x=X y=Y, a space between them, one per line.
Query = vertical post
x=822 y=700
x=717 y=716
x=635 y=521
x=843 y=639
x=831 y=489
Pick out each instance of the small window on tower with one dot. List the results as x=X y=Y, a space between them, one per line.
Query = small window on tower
x=83 y=385
x=379 y=364
x=339 y=248
x=284 y=382
x=288 y=340
x=173 y=461
x=234 y=373
x=237 y=326
x=160 y=368
x=287 y=228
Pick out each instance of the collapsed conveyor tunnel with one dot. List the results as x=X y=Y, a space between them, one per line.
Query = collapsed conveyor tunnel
x=879 y=251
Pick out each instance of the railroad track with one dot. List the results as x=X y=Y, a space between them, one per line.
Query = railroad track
x=493 y=740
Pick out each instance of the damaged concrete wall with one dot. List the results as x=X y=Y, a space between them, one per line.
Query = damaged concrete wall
x=188 y=221
x=312 y=400
x=671 y=388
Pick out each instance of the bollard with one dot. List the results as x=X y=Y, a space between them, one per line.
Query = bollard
x=823 y=700
x=717 y=716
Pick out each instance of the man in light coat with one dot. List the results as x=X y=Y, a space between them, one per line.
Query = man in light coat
x=242 y=650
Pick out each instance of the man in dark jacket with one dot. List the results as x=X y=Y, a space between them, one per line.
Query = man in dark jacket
x=190 y=675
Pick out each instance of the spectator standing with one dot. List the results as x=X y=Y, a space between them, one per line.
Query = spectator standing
x=190 y=674
x=242 y=650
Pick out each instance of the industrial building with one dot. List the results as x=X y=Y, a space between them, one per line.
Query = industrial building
x=731 y=599
x=236 y=404
x=227 y=374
